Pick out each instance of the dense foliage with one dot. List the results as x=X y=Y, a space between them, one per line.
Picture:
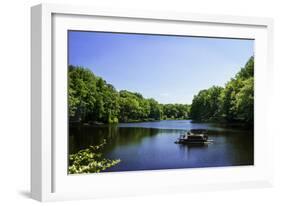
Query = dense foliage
x=233 y=103
x=176 y=111
x=92 y=99
x=89 y=160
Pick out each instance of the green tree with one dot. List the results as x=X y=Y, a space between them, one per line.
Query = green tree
x=206 y=104
x=82 y=86
x=245 y=101
x=90 y=98
x=155 y=110
x=234 y=102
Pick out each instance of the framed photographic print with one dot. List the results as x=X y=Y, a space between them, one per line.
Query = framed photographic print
x=134 y=102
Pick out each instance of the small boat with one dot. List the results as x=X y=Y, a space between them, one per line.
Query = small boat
x=194 y=136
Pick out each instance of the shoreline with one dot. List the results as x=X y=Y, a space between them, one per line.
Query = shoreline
x=222 y=123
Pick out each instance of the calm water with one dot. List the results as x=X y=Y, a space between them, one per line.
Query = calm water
x=150 y=145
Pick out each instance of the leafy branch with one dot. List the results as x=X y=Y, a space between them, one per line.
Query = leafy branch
x=90 y=160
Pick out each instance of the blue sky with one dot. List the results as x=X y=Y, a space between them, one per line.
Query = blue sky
x=170 y=69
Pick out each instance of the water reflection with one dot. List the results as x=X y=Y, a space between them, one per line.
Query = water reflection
x=147 y=146
x=83 y=136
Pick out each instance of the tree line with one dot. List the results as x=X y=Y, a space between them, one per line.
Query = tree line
x=92 y=99
x=232 y=103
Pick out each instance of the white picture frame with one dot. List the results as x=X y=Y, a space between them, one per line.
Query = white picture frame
x=49 y=178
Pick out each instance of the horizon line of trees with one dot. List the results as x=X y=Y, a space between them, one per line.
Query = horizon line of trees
x=92 y=99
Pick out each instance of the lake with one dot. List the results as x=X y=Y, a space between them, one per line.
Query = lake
x=150 y=145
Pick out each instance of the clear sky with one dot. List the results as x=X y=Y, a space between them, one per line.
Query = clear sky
x=170 y=69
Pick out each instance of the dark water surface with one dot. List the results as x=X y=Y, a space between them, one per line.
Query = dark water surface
x=150 y=145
